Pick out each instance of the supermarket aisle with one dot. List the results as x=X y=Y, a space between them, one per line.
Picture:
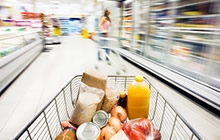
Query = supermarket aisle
x=44 y=78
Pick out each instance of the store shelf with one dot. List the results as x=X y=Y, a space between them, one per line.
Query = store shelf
x=126 y=28
x=129 y=14
x=127 y=20
x=195 y=41
x=127 y=9
x=140 y=41
x=195 y=32
x=180 y=27
x=142 y=33
x=182 y=81
x=194 y=69
x=70 y=25
x=199 y=16
x=191 y=28
x=126 y=32
x=157 y=4
x=125 y=38
x=159 y=36
x=193 y=3
x=161 y=9
x=140 y=25
x=163 y=18
x=137 y=49
x=126 y=46
x=17 y=53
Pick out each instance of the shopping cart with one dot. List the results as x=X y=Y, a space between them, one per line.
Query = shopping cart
x=114 y=58
x=47 y=124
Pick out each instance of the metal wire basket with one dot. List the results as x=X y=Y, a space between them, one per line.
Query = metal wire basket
x=47 y=123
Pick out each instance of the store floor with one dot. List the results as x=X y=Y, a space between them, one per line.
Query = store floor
x=52 y=69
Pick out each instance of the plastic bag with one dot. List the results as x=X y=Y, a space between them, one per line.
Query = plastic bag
x=86 y=106
x=157 y=134
x=111 y=97
x=139 y=129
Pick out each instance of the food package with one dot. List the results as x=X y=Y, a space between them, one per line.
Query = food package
x=111 y=97
x=94 y=79
x=138 y=129
x=87 y=103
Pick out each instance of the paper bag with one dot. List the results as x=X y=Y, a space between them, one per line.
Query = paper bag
x=95 y=79
x=87 y=104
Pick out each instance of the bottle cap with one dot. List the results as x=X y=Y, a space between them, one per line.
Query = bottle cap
x=139 y=78
x=122 y=94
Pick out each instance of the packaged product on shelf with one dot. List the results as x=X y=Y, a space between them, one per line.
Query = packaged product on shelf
x=87 y=103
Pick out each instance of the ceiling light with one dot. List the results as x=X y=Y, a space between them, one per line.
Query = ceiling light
x=55 y=1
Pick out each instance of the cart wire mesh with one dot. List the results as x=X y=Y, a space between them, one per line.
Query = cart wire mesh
x=46 y=125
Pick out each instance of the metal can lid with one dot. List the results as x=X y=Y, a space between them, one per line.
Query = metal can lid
x=100 y=118
x=88 y=131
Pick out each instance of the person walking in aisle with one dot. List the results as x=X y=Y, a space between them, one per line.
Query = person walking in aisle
x=104 y=25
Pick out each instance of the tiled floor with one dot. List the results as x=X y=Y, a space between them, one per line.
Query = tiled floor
x=44 y=78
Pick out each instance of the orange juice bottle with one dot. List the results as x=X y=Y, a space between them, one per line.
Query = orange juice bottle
x=138 y=98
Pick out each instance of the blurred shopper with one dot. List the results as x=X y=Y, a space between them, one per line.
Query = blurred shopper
x=104 y=25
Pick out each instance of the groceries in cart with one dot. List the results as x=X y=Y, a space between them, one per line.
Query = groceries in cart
x=138 y=98
x=67 y=134
x=141 y=129
x=106 y=111
x=112 y=96
x=87 y=103
x=163 y=121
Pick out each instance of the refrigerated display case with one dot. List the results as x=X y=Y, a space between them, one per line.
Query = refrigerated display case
x=127 y=24
x=65 y=25
x=16 y=53
x=70 y=25
x=140 y=30
x=189 y=31
x=195 y=38
x=180 y=35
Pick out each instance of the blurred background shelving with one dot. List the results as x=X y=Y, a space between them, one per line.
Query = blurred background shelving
x=17 y=51
x=182 y=35
x=174 y=41
x=127 y=24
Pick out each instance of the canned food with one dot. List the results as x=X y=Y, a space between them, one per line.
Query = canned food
x=88 y=131
x=100 y=118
